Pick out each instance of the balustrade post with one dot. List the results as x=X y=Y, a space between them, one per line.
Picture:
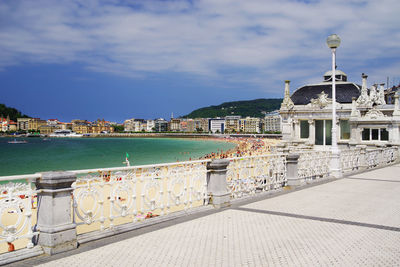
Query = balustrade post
x=363 y=158
x=292 y=175
x=217 y=186
x=54 y=221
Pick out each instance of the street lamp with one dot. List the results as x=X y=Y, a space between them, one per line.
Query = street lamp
x=333 y=42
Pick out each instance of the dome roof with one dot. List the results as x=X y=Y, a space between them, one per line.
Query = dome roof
x=344 y=92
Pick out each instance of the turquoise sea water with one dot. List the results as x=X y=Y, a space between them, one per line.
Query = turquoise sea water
x=88 y=153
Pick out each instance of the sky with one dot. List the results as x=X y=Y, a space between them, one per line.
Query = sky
x=121 y=59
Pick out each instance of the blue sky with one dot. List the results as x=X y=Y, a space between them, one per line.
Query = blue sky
x=145 y=59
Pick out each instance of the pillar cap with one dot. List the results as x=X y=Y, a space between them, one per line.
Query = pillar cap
x=218 y=164
x=56 y=180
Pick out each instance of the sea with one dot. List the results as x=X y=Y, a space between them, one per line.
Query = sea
x=54 y=154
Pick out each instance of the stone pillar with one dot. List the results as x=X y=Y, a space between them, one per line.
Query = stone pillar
x=57 y=231
x=311 y=131
x=363 y=157
x=292 y=170
x=335 y=165
x=217 y=186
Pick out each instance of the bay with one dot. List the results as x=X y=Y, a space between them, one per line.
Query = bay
x=40 y=155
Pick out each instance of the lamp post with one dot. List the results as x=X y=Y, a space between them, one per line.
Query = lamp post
x=333 y=42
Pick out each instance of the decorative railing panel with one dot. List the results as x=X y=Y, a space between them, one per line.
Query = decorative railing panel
x=18 y=203
x=107 y=197
x=380 y=157
x=248 y=175
x=351 y=160
x=313 y=164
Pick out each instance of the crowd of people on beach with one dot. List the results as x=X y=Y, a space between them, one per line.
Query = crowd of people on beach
x=245 y=146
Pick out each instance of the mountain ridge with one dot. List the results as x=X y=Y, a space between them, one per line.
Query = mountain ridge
x=244 y=108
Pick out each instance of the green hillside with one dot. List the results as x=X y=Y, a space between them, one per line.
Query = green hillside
x=12 y=112
x=252 y=108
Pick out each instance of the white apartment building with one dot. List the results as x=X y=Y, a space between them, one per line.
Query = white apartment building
x=216 y=125
x=272 y=122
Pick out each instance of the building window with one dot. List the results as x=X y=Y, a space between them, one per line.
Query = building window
x=304 y=129
x=384 y=135
x=365 y=134
x=375 y=134
x=323 y=132
x=344 y=129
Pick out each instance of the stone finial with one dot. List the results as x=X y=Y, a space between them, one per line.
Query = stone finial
x=354 y=111
x=364 y=99
x=287 y=103
x=381 y=95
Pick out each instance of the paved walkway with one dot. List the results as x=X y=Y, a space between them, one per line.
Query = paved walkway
x=353 y=221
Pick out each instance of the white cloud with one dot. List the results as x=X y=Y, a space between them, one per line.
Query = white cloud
x=212 y=38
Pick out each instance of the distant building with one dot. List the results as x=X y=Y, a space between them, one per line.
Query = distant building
x=232 y=124
x=23 y=124
x=52 y=122
x=49 y=129
x=216 y=125
x=35 y=123
x=250 y=125
x=150 y=125
x=272 y=122
x=161 y=125
x=134 y=125
x=174 y=125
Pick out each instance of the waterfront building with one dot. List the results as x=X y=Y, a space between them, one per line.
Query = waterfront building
x=161 y=125
x=174 y=125
x=183 y=125
x=81 y=127
x=133 y=125
x=232 y=124
x=272 y=122
x=49 y=128
x=23 y=124
x=7 y=125
x=217 y=125
x=250 y=125
x=35 y=123
x=52 y=122
x=204 y=124
x=150 y=125
x=363 y=117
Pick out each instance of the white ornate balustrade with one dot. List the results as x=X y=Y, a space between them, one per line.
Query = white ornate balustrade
x=313 y=164
x=381 y=156
x=106 y=197
x=351 y=159
x=17 y=212
x=248 y=175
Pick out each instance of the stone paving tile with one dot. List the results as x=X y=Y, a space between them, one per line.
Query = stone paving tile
x=359 y=200
x=239 y=238
x=302 y=228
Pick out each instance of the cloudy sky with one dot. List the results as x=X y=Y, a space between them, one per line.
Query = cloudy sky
x=94 y=59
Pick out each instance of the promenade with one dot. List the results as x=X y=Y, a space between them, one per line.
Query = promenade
x=353 y=221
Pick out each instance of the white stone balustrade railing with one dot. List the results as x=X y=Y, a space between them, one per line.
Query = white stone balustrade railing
x=351 y=160
x=106 y=197
x=313 y=165
x=18 y=202
x=248 y=175
x=380 y=157
x=360 y=159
